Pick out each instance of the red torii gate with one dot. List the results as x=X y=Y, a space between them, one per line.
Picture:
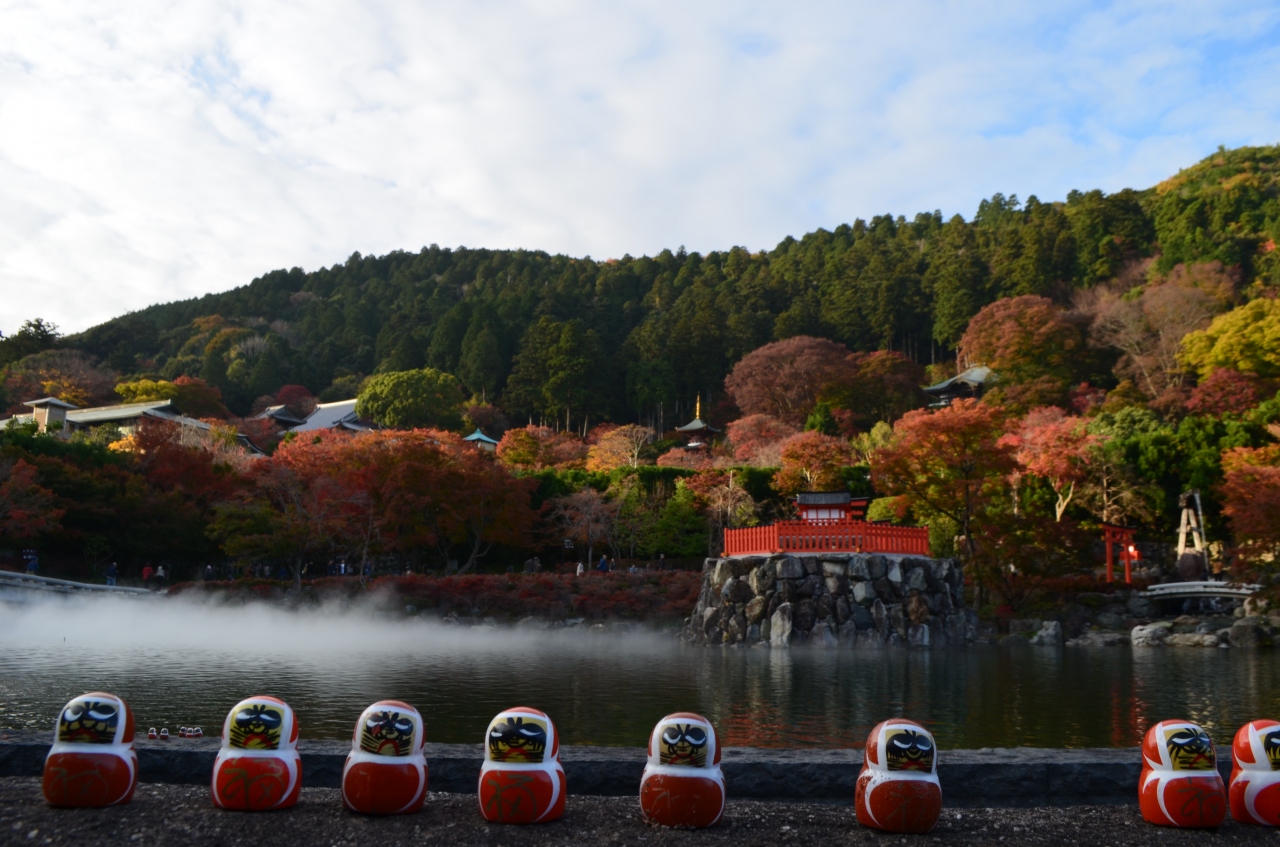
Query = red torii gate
x=1122 y=535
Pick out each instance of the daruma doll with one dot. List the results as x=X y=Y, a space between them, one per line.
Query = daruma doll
x=92 y=761
x=1179 y=784
x=521 y=780
x=1255 y=774
x=258 y=768
x=898 y=788
x=386 y=770
x=682 y=783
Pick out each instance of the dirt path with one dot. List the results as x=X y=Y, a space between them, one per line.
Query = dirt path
x=183 y=815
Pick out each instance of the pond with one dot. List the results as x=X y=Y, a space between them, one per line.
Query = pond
x=179 y=663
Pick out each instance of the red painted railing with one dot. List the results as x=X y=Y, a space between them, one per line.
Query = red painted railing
x=827 y=535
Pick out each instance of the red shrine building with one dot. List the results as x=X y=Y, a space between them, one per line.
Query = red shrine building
x=829 y=521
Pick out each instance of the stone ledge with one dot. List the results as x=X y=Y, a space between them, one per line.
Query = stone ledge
x=1001 y=777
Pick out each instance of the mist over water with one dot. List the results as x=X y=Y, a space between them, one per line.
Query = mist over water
x=181 y=662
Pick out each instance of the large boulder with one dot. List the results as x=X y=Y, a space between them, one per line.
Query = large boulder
x=1151 y=635
x=804 y=615
x=919 y=636
x=830 y=568
x=1249 y=633
x=811 y=586
x=1192 y=639
x=756 y=608
x=1140 y=607
x=861 y=618
x=1049 y=635
x=858 y=568
x=917 y=579
x=789 y=567
x=917 y=609
x=894 y=572
x=877 y=567
x=762 y=578
x=780 y=626
x=736 y=591
x=864 y=593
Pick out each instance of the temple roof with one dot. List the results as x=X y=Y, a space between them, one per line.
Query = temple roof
x=823 y=498
x=976 y=377
x=697 y=425
x=479 y=436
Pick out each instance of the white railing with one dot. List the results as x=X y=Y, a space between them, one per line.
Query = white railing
x=15 y=586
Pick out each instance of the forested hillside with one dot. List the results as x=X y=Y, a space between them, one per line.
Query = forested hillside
x=555 y=336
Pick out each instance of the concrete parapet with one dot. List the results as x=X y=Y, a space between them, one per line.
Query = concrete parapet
x=1018 y=777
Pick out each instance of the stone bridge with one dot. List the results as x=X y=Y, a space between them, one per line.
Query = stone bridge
x=24 y=588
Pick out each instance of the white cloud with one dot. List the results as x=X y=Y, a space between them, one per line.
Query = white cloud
x=153 y=151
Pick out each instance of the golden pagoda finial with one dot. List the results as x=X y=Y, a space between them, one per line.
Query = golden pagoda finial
x=697 y=414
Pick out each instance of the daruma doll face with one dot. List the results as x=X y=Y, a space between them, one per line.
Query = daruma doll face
x=256 y=726
x=388 y=732
x=683 y=744
x=518 y=739
x=1190 y=748
x=907 y=749
x=91 y=719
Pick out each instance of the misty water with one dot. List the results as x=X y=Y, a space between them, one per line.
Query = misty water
x=179 y=663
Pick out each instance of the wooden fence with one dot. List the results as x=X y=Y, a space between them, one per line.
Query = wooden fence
x=847 y=536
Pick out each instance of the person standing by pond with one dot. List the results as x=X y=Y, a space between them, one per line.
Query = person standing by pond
x=603 y=567
x=160 y=576
x=33 y=562
x=147 y=571
x=111 y=573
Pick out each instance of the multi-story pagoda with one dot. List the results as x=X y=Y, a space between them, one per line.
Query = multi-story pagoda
x=697 y=431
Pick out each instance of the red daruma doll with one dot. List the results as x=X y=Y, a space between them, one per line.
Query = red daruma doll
x=521 y=780
x=682 y=783
x=386 y=771
x=1180 y=785
x=92 y=762
x=1255 y=774
x=258 y=767
x=898 y=788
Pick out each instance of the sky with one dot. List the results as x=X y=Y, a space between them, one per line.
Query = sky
x=153 y=150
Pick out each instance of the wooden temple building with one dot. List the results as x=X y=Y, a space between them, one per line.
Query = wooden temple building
x=830 y=521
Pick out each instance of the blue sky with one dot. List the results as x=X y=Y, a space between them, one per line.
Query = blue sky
x=152 y=151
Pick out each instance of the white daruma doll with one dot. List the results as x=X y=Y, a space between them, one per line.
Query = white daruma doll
x=258 y=767
x=682 y=783
x=898 y=788
x=92 y=761
x=386 y=771
x=1255 y=774
x=1180 y=784
x=521 y=780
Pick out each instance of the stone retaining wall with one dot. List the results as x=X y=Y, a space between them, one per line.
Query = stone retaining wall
x=832 y=600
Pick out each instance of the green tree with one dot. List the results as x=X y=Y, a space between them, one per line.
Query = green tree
x=958 y=279
x=34 y=336
x=412 y=399
x=680 y=531
x=1246 y=339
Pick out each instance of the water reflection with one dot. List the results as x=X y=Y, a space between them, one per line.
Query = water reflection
x=180 y=664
